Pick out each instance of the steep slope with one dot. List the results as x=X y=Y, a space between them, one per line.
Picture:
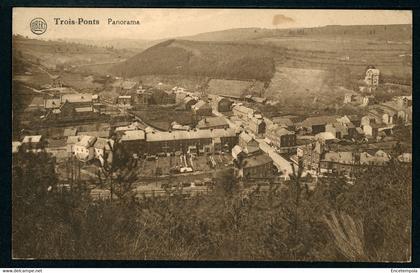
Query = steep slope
x=224 y=60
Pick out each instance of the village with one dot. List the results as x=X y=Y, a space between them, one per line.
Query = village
x=83 y=131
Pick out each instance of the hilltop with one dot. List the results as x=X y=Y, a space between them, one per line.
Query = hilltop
x=374 y=32
x=223 y=60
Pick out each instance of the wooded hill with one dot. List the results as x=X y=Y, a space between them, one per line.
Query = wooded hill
x=223 y=60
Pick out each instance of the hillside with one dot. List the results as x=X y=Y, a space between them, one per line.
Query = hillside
x=59 y=53
x=136 y=45
x=374 y=32
x=221 y=60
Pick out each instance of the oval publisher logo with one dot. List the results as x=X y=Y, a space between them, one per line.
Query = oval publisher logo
x=38 y=26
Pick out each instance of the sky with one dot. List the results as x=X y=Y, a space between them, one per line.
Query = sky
x=167 y=23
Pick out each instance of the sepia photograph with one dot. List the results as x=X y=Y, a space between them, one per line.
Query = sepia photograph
x=198 y=134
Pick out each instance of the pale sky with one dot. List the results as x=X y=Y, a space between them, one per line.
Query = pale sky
x=167 y=23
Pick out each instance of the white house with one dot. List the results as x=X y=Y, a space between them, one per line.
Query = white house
x=84 y=149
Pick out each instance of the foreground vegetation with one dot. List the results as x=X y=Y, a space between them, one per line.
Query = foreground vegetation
x=369 y=221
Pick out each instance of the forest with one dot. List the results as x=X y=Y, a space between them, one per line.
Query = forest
x=367 y=221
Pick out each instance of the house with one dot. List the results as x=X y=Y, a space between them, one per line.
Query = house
x=372 y=76
x=342 y=162
x=213 y=123
x=311 y=155
x=83 y=149
x=259 y=99
x=180 y=96
x=284 y=122
x=129 y=127
x=221 y=104
x=102 y=148
x=162 y=97
x=325 y=137
x=176 y=126
x=56 y=81
x=375 y=129
x=248 y=143
x=405 y=101
x=36 y=103
x=134 y=141
x=71 y=141
x=202 y=108
x=34 y=143
x=105 y=133
x=338 y=129
x=317 y=125
x=383 y=114
x=78 y=100
x=405 y=158
x=238 y=152
x=143 y=97
x=380 y=158
x=402 y=106
x=189 y=102
x=356 y=99
x=258 y=166
x=369 y=119
x=257 y=125
x=16 y=146
x=124 y=101
x=95 y=98
x=353 y=120
x=281 y=137
x=71 y=108
x=242 y=112
x=69 y=132
x=221 y=139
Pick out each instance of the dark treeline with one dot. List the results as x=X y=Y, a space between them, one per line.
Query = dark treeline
x=367 y=221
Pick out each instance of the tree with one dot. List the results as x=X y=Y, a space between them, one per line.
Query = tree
x=118 y=168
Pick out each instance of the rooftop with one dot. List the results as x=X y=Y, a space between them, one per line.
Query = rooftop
x=70 y=132
x=243 y=109
x=212 y=122
x=83 y=109
x=321 y=120
x=282 y=121
x=133 y=135
x=257 y=160
x=103 y=143
x=192 y=134
x=76 y=98
x=324 y=136
x=201 y=105
x=246 y=137
x=124 y=97
x=32 y=139
x=52 y=103
x=104 y=133
x=86 y=141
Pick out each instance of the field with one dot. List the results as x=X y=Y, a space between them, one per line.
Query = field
x=162 y=117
